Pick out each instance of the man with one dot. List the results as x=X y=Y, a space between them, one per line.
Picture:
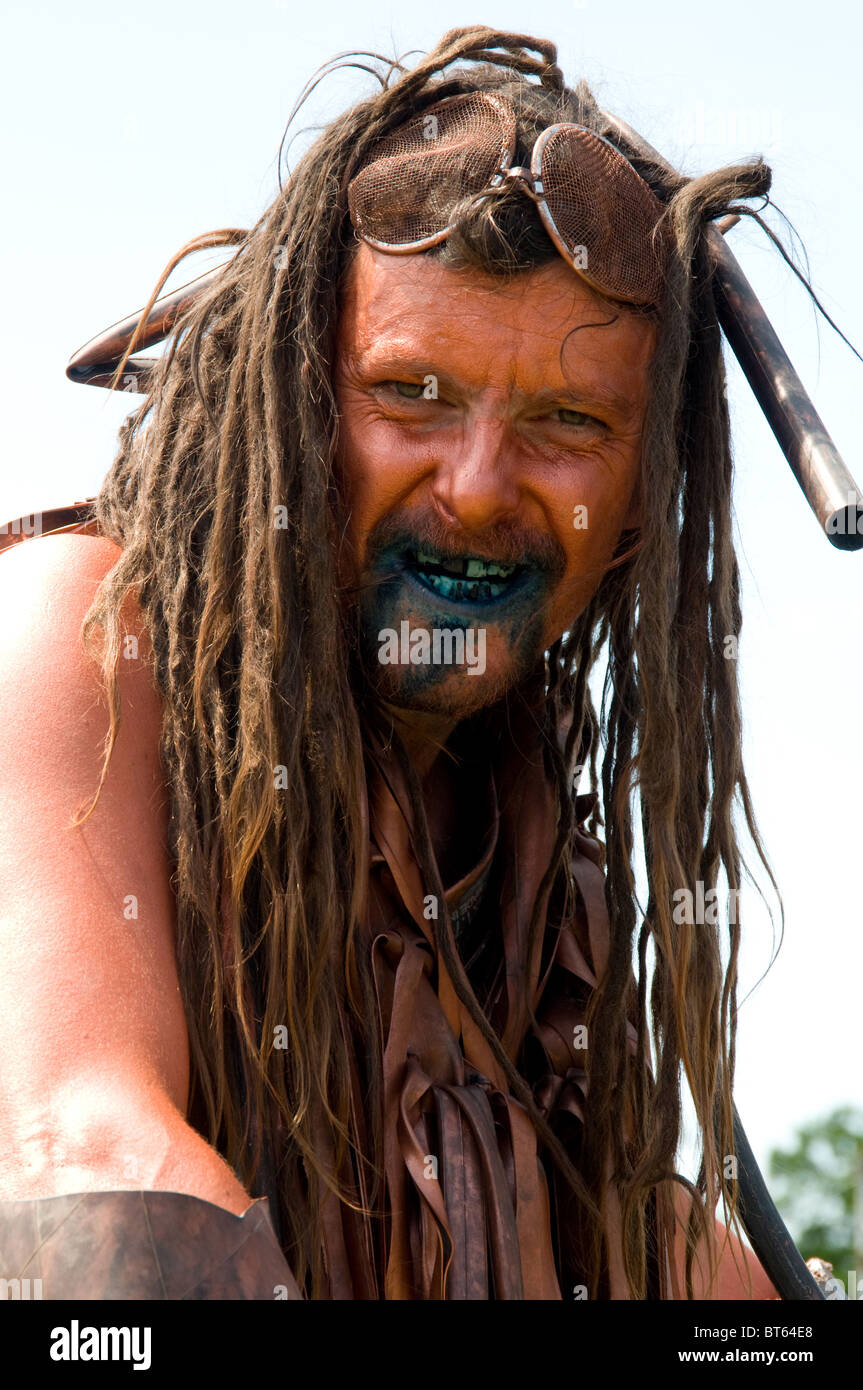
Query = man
x=334 y=930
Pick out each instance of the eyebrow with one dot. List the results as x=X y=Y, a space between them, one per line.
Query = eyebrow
x=587 y=393
x=593 y=394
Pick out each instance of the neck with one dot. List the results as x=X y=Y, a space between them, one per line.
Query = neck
x=453 y=797
x=424 y=737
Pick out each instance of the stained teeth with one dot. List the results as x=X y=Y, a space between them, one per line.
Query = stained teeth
x=460 y=590
x=471 y=569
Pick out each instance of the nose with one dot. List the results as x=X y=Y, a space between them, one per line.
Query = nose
x=476 y=482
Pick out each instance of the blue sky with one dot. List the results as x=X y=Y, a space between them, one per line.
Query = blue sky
x=131 y=129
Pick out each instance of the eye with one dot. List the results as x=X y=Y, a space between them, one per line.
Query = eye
x=575 y=417
x=410 y=390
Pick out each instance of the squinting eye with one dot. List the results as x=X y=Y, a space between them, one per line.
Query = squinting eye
x=411 y=390
x=575 y=417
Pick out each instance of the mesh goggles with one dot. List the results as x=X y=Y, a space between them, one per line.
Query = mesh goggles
x=600 y=214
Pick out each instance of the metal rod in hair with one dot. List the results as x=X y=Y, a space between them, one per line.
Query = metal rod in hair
x=814 y=459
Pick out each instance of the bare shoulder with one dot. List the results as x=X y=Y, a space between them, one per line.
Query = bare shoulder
x=46 y=587
x=44 y=581
x=68 y=553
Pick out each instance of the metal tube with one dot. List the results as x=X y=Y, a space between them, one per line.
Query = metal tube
x=814 y=459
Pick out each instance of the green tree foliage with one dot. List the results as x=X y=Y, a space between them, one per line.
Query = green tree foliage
x=818 y=1188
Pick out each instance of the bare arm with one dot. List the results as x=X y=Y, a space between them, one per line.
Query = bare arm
x=94 y=1064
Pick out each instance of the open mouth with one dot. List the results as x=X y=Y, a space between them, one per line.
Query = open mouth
x=465 y=578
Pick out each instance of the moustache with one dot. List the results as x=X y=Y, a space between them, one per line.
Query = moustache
x=504 y=543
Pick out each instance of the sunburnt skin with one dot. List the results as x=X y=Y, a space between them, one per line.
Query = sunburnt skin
x=541 y=393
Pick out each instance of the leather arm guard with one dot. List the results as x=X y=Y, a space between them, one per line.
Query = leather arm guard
x=142 y=1245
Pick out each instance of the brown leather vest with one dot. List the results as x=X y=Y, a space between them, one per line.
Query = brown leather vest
x=473 y=1210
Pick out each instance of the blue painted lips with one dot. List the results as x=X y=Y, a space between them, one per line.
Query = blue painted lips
x=464 y=580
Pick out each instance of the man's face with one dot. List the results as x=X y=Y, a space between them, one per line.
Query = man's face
x=488 y=456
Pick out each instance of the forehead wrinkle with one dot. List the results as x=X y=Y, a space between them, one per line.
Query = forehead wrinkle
x=470 y=305
x=440 y=323
x=461 y=340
